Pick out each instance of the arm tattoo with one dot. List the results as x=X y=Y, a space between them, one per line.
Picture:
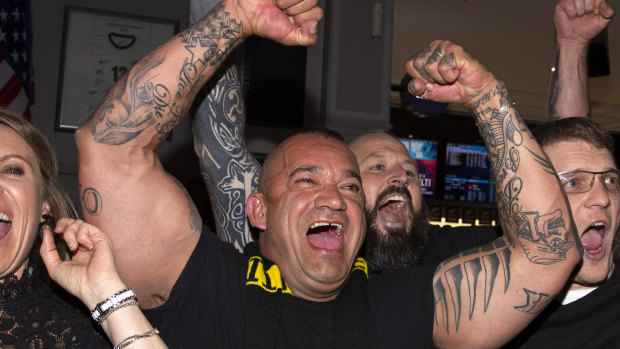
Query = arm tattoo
x=546 y=165
x=91 y=200
x=230 y=172
x=139 y=102
x=535 y=302
x=195 y=222
x=544 y=238
x=463 y=280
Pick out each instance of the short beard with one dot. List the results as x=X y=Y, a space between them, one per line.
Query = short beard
x=400 y=247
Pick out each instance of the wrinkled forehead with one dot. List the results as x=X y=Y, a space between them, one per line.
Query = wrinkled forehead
x=306 y=151
x=378 y=145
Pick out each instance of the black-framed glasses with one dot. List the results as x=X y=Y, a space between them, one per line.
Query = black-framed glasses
x=579 y=181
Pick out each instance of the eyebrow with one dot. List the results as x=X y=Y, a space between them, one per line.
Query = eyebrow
x=382 y=155
x=317 y=170
x=584 y=170
x=13 y=156
x=375 y=155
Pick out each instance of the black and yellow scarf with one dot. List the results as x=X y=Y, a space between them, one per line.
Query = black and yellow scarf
x=267 y=312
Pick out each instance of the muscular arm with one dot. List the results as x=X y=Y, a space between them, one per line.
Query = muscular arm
x=150 y=219
x=577 y=22
x=229 y=170
x=485 y=296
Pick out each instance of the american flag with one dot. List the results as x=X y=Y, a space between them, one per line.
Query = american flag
x=16 y=85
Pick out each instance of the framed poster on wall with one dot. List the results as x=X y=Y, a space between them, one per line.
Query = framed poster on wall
x=98 y=48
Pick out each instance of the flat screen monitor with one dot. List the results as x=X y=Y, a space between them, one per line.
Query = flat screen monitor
x=424 y=153
x=468 y=174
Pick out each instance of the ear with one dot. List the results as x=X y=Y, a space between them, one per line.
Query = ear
x=257 y=210
x=45 y=209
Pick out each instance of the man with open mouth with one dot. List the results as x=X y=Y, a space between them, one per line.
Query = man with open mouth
x=585 y=314
x=301 y=285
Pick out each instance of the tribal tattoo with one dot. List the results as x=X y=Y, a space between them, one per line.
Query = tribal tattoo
x=460 y=281
x=230 y=172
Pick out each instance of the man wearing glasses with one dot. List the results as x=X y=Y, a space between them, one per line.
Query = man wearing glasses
x=585 y=316
x=582 y=154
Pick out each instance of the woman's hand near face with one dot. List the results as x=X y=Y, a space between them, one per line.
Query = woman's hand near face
x=91 y=274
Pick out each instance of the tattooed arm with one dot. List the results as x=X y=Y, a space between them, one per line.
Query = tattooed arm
x=485 y=296
x=576 y=23
x=152 y=223
x=229 y=171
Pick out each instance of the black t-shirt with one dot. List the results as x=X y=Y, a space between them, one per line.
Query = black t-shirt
x=402 y=305
x=205 y=307
x=444 y=242
x=589 y=322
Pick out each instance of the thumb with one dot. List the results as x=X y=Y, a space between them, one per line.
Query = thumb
x=308 y=35
x=48 y=251
x=606 y=11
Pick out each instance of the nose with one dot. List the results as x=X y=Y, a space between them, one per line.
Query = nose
x=598 y=195
x=330 y=197
x=397 y=176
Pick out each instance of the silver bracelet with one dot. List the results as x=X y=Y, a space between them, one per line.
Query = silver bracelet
x=107 y=313
x=111 y=302
x=500 y=112
x=125 y=342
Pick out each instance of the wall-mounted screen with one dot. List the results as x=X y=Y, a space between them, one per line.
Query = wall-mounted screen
x=467 y=173
x=424 y=154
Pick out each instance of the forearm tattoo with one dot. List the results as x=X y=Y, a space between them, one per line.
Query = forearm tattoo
x=544 y=237
x=463 y=280
x=139 y=102
x=534 y=303
x=230 y=172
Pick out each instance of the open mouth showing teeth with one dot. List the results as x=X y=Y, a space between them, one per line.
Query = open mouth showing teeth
x=392 y=210
x=592 y=238
x=326 y=235
x=5 y=224
x=322 y=227
x=395 y=202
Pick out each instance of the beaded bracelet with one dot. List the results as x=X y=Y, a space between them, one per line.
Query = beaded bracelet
x=125 y=342
x=109 y=304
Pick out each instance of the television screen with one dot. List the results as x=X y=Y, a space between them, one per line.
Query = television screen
x=468 y=174
x=424 y=153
